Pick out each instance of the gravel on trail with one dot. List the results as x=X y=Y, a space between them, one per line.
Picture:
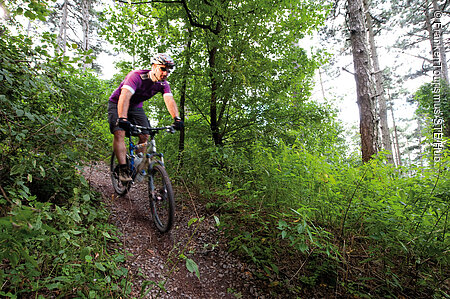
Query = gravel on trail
x=157 y=258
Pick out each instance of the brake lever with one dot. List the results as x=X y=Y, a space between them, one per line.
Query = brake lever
x=134 y=130
x=171 y=129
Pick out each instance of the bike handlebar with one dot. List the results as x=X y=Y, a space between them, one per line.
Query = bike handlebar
x=138 y=129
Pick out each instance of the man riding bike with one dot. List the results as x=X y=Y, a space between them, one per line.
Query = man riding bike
x=126 y=102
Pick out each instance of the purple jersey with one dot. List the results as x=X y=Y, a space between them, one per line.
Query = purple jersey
x=141 y=86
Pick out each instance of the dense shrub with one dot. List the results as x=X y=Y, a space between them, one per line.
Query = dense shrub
x=53 y=229
x=339 y=218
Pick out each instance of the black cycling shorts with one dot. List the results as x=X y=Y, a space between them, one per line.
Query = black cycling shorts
x=136 y=116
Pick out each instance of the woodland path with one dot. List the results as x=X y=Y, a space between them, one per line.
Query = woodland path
x=155 y=256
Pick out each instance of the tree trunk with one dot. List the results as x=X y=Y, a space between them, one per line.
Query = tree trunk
x=394 y=147
x=214 y=123
x=183 y=96
x=399 y=161
x=85 y=5
x=379 y=89
x=361 y=61
x=419 y=127
x=62 y=36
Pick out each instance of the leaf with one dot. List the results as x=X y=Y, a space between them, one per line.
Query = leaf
x=30 y=15
x=192 y=221
x=192 y=267
x=49 y=228
x=29 y=258
x=217 y=220
x=75 y=214
x=52 y=286
x=300 y=228
x=85 y=252
x=282 y=224
x=303 y=247
x=20 y=112
x=42 y=170
x=100 y=266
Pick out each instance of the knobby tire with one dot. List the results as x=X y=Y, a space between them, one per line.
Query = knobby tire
x=161 y=198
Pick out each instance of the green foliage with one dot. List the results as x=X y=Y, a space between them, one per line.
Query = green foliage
x=60 y=250
x=238 y=64
x=32 y=10
x=50 y=115
x=53 y=231
x=283 y=204
x=279 y=187
x=434 y=102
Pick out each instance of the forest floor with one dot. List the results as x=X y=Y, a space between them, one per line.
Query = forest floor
x=154 y=258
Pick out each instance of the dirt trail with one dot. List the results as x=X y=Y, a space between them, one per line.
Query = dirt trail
x=155 y=256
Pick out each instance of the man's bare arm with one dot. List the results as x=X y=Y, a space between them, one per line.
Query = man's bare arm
x=171 y=105
x=124 y=103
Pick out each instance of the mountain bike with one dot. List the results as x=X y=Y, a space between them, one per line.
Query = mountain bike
x=149 y=169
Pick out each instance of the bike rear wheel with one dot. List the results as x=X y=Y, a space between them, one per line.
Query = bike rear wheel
x=161 y=197
x=119 y=187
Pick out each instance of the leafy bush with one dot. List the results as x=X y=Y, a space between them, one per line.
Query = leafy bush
x=54 y=233
x=279 y=206
x=53 y=250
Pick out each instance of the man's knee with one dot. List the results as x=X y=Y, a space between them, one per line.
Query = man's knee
x=119 y=135
x=143 y=138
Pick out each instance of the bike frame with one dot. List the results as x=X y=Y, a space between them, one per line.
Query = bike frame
x=151 y=152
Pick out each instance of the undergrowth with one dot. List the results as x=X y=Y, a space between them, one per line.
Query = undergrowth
x=54 y=235
x=49 y=250
x=316 y=223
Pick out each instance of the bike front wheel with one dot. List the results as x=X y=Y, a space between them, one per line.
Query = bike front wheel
x=161 y=197
x=119 y=187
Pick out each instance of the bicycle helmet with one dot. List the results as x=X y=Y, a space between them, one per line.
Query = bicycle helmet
x=162 y=58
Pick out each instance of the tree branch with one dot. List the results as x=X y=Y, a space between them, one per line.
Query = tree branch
x=193 y=22
x=344 y=69
x=418 y=56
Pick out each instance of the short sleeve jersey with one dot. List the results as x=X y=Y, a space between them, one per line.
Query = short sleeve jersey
x=141 y=87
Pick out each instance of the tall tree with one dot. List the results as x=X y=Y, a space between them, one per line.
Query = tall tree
x=379 y=89
x=363 y=77
x=75 y=22
x=85 y=18
x=182 y=104
x=62 y=36
x=425 y=30
x=395 y=137
x=244 y=69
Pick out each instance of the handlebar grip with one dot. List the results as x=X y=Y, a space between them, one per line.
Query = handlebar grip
x=134 y=130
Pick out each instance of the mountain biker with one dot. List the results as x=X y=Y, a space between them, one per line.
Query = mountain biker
x=126 y=102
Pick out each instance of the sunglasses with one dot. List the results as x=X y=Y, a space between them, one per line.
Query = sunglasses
x=164 y=69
